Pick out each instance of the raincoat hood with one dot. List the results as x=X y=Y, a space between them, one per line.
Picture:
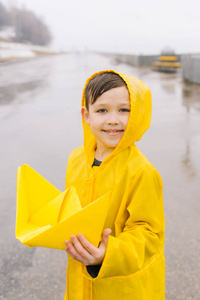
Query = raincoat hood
x=139 y=120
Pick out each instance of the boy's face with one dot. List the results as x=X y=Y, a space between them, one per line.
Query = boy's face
x=108 y=118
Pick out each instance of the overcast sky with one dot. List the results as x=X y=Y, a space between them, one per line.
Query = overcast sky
x=120 y=25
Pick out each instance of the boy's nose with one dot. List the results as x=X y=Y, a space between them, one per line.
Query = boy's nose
x=112 y=120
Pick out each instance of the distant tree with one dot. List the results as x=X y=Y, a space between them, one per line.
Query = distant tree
x=29 y=28
x=4 y=16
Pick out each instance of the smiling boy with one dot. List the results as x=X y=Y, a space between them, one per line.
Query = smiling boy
x=129 y=262
x=108 y=119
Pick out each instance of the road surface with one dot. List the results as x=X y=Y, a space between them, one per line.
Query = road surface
x=40 y=124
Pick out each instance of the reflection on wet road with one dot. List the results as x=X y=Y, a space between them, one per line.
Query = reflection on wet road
x=40 y=124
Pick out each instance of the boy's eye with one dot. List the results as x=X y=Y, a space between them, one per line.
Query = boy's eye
x=125 y=110
x=102 y=110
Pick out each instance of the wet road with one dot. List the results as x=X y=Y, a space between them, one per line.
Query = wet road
x=40 y=124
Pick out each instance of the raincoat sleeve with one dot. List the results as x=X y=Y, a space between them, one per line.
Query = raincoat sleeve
x=142 y=238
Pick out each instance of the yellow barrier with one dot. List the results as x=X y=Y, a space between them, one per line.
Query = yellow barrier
x=167 y=64
x=168 y=57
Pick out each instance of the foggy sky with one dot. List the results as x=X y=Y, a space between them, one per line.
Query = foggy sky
x=120 y=26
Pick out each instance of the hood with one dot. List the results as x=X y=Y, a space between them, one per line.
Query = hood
x=139 y=120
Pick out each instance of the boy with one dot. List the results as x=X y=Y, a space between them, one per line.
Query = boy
x=129 y=262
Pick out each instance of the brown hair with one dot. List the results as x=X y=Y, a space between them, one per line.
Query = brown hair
x=100 y=84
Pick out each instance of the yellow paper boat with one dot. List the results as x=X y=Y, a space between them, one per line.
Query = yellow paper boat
x=47 y=217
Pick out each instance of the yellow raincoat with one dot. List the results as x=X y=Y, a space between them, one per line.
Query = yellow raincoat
x=133 y=267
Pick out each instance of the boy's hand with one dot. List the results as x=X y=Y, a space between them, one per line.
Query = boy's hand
x=86 y=253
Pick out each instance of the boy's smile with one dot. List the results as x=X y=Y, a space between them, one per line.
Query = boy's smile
x=108 y=118
x=113 y=132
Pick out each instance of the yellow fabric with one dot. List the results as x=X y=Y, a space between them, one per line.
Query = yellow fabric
x=47 y=218
x=133 y=267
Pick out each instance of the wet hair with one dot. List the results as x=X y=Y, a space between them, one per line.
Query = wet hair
x=100 y=84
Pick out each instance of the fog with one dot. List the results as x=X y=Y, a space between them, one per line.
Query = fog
x=143 y=27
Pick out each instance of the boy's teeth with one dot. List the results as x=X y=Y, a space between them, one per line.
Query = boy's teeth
x=113 y=131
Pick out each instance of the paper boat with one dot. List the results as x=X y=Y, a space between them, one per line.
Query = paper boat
x=47 y=217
